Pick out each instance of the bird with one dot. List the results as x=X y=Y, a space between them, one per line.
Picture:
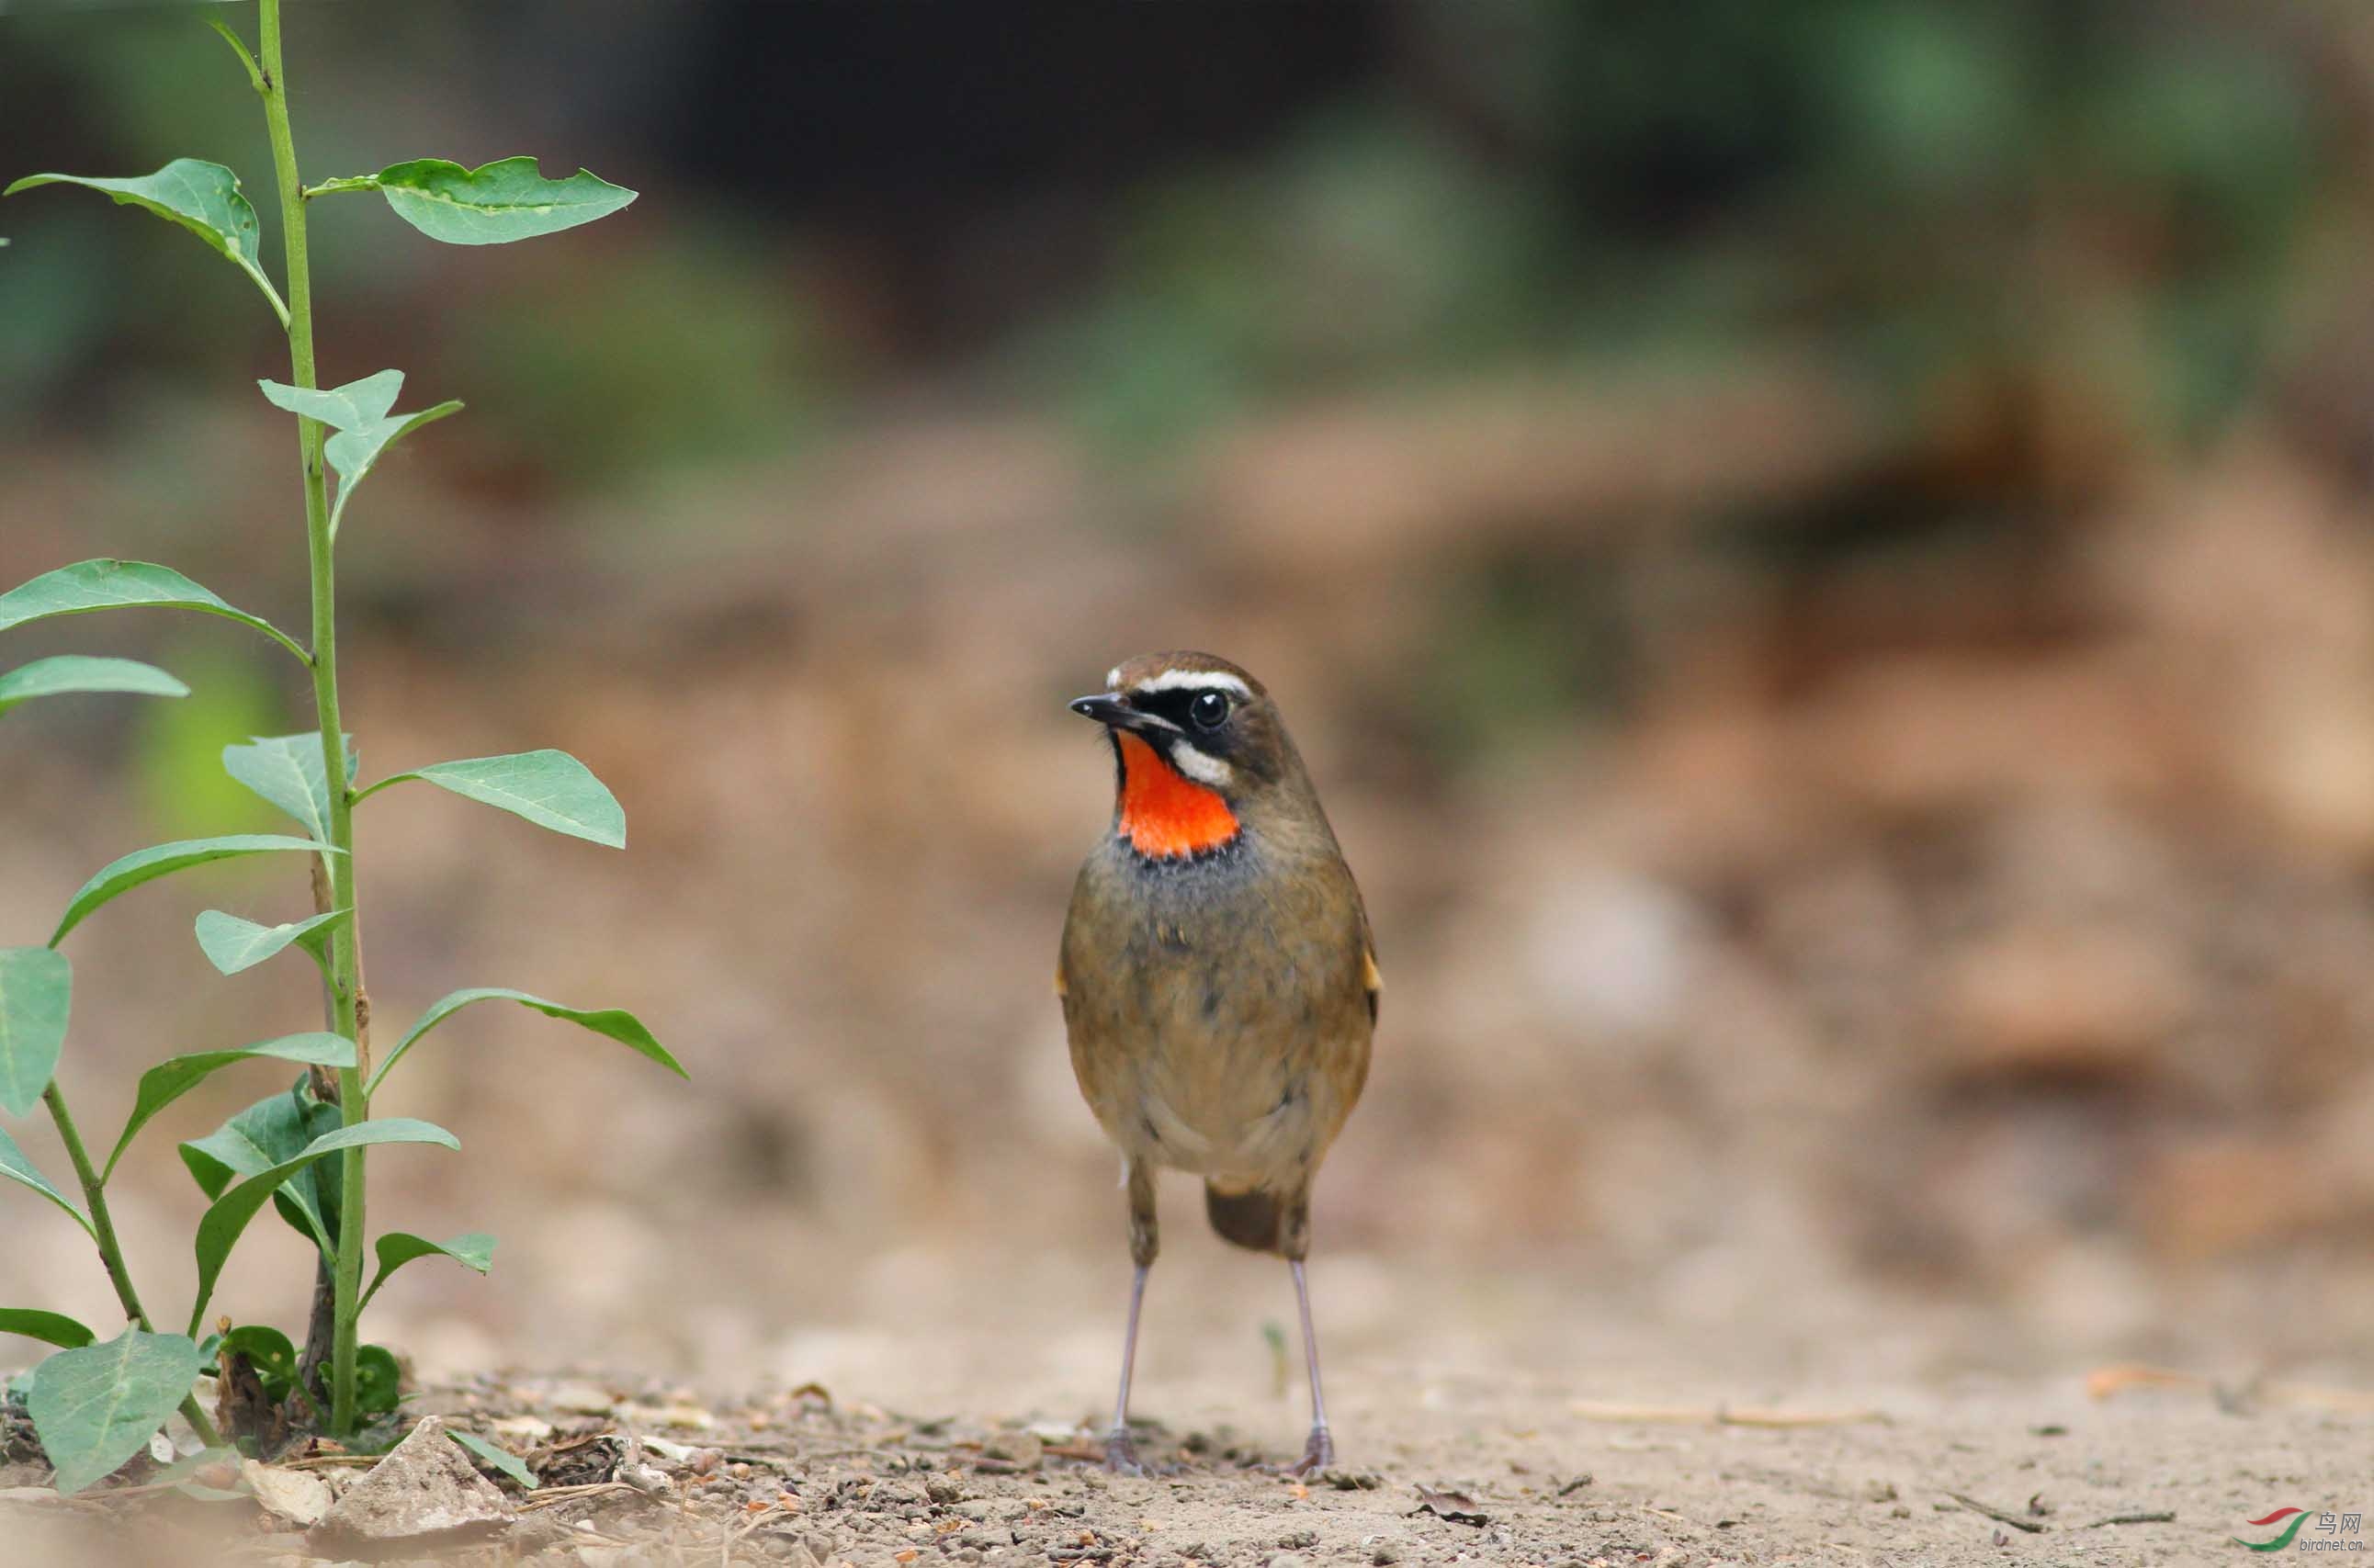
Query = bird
x=1217 y=976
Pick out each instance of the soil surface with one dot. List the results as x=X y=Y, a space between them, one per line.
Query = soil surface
x=2136 y=1471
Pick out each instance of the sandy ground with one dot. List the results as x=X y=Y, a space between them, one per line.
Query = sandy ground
x=1703 y=1467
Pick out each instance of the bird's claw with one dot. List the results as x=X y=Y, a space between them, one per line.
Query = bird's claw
x=1317 y=1453
x=1120 y=1455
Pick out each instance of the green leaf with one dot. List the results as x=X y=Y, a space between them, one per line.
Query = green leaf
x=341 y=408
x=623 y=1027
x=502 y=1458
x=474 y=1251
x=163 y=860
x=287 y=771
x=94 y=1407
x=49 y=1327
x=36 y=988
x=378 y=1380
x=229 y=1215
x=261 y=1137
x=74 y=672
x=202 y=197
x=113 y=585
x=16 y=1167
x=550 y=789
x=233 y=944
x=495 y=203
x=170 y=1079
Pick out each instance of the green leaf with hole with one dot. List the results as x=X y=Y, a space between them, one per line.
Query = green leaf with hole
x=75 y=673
x=341 y=408
x=123 y=585
x=287 y=771
x=170 y=1079
x=122 y=876
x=549 y=789
x=49 y=1327
x=623 y=1027
x=262 y=1136
x=229 y=1215
x=36 y=989
x=496 y=202
x=502 y=1458
x=16 y=1167
x=233 y=944
x=474 y=1251
x=96 y=1406
x=203 y=198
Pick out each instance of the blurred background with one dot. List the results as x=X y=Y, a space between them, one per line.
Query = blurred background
x=1822 y=556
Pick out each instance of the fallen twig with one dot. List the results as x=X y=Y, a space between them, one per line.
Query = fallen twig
x=2104 y=1382
x=2000 y=1515
x=549 y=1495
x=2163 y=1518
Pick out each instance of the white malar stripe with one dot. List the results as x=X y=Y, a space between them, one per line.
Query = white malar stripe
x=1174 y=680
x=1198 y=766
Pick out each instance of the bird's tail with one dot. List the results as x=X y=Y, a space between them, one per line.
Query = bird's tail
x=1248 y=1219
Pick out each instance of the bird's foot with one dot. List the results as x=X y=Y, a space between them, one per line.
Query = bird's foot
x=1121 y=1454
x=1317 y=1453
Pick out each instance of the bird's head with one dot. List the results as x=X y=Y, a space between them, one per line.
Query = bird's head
x=1195 y=740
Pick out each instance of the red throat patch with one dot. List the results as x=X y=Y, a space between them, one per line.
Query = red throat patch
x=1163 y=812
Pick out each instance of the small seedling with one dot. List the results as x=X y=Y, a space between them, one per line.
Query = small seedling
x=96 y=1404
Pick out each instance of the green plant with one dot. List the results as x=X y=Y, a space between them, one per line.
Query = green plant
x=94 y=1405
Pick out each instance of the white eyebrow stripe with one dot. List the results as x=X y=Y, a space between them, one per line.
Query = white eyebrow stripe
x=1113 y=683
x=1174 y=680
x=1200 y=766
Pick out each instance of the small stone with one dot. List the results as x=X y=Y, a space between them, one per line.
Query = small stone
x=940 y=1488
x=526 y=1430
x=679 y=1418
x=580 y=1400
x=648 y=1480
x=1287 y=1559
x=300 y=1497
x=424 y=1495
x=1023 y=1450
x=1386 y=1552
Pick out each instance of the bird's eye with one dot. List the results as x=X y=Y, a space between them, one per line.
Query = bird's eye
x=1209 y=710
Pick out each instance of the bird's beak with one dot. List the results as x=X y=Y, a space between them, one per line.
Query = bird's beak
x=1112 y=710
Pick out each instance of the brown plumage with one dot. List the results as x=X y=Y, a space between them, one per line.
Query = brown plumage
x=1218 y=981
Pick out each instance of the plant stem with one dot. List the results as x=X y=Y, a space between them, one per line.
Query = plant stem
x=346 y=961
x=110 y=1251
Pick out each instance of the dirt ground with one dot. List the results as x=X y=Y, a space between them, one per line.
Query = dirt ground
x=1440 y=1467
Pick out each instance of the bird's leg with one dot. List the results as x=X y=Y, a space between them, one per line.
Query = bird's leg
x=1319 y=1452
x=1145 y=1241
x=1120 y=1452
